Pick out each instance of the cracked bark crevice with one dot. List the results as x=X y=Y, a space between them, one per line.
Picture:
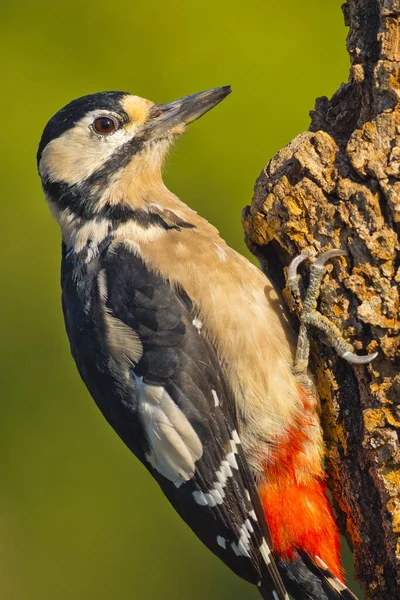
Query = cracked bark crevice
x=338 y=185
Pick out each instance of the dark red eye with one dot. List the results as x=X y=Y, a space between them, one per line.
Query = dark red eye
x=104 y=125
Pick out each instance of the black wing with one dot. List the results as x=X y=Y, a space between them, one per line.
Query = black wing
x=159 y=383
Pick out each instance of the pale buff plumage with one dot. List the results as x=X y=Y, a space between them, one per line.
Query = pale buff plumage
x=240 y=310
x=237 y=306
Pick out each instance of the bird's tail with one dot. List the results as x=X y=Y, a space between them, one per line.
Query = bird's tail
x=303 y=530
x=311 y=579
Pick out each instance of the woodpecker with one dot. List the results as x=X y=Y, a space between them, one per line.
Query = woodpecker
x=185 y=348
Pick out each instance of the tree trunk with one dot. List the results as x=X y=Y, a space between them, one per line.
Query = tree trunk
x=338 y=186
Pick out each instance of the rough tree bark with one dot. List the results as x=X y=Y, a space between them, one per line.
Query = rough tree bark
x=338 y=186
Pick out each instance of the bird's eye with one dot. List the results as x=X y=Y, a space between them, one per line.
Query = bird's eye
x=105 y=125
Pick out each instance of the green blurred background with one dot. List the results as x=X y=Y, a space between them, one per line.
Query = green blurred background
x=79 y=517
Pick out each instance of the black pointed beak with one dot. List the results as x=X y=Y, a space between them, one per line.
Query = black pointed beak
x=165 y=118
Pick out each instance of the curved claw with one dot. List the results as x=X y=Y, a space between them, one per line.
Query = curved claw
x=325 y=256
x=294 y=264
x=359 y=360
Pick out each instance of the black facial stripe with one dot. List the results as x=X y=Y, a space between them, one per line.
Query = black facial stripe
x=81 y=197
x=117 y=161
x=121 y=213
x=69 y=197
x=74 y=111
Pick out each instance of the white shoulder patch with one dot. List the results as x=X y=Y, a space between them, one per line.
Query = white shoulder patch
x=174 y=445
x=123 y=342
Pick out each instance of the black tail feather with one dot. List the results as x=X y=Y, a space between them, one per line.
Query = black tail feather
x=308 y=579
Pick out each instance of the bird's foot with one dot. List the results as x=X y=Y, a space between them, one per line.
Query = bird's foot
x=311 y=317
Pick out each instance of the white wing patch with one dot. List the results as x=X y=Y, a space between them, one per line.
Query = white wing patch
x=265 y=552
x=217 y=493
x=244 y=543
x=197 y=323
x=215 y=396
x=221 y=541
x=123 y=342
x=174 y=445
x=235 y=437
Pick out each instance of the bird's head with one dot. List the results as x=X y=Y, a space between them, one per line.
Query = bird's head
x=107 y=149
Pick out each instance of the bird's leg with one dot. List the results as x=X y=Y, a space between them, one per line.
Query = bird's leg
x=311 y=317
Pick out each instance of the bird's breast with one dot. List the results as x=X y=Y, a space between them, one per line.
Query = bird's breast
x=242 y=316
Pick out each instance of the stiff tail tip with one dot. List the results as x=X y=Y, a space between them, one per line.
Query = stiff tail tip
x=306 y=579
x=333 y=581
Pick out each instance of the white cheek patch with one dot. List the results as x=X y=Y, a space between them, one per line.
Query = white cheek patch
x=174 y=445
x=79 y=152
